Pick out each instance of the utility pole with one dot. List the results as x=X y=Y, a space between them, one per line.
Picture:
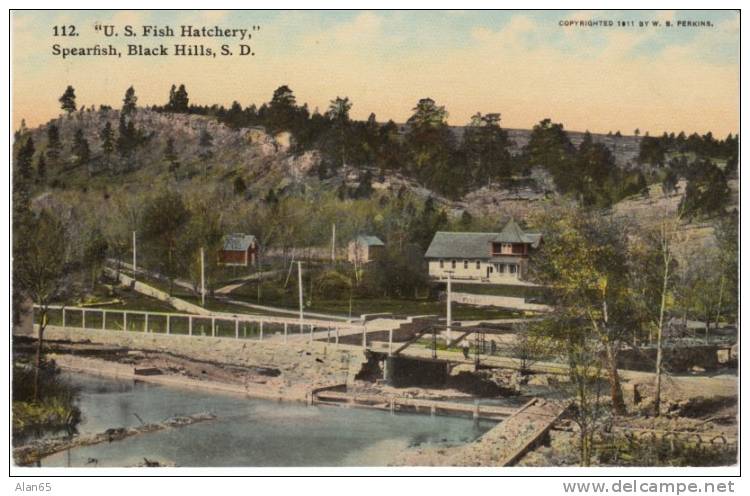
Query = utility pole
x=448 y=316
x=134 y=259
x=301 y=305
x=333 y=244
x=203 y=281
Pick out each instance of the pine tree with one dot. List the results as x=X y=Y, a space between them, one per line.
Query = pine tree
x=487 y=148
x=53 y=144
x=21 y=131
x=181 y=100
x=24 y=160
x=107 y=135
x=206 y=142
x=41 y=168
x=81 y=149
x=364 y=189
x=128 y=138
x=178 y=99
x=170 y=103
x=68 y=100
x=129 y=102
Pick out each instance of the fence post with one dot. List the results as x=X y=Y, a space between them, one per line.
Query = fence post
x=311 y=333
x=125 y=321
x=213 y=326
x=190 y=325
x=104 y=319
x=337 y=336
x=260 y=337
x=364 y=338
x=236 y=328
x=390 y=341
x=145 y=324
x=63 y=322
x=83 y=319
x=285 y=325
x=169 y=321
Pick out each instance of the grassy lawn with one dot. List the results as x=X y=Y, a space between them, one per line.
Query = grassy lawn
x=218 y=305
x=273 y=294
x=499 y=290
x=117 y=298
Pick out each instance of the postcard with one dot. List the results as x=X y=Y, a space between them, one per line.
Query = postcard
x=266 y=239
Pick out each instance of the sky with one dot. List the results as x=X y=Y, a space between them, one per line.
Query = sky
x=522 y=64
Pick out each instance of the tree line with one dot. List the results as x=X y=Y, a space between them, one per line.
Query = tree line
x=448 y=160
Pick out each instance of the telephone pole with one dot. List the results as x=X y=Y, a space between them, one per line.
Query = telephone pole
x=134 y=259
x=448 y=316
x=301 y=305
x=203 y=281
x=333 y=244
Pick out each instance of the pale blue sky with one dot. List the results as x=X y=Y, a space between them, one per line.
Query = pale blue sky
x=520 y=63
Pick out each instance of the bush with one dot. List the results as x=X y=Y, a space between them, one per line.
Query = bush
x=55 y=408
x=332 y=285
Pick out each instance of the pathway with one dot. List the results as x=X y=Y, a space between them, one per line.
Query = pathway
x=242 y=281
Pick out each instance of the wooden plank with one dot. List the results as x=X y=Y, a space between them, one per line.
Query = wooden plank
x=522 y=430
x=417 y=404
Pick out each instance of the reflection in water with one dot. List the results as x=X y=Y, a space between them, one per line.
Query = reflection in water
x=247 y=432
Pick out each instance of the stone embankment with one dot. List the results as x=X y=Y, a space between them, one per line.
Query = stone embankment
x=302 y=366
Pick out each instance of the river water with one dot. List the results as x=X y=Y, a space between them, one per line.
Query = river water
x=247 y=432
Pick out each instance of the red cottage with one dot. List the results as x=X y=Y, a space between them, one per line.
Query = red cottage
x=239 y=250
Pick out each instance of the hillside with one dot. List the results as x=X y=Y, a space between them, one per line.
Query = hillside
x=262 y=160
x=261 y=163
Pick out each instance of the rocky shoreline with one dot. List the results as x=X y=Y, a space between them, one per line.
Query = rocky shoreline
x=31 y=453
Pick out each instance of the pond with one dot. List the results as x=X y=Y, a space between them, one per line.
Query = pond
x=247 y=432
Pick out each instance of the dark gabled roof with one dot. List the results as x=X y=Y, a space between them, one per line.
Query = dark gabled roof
x=512 y=233
x=369 y=240
x=534 y=238
x=460 y=245
x=238 y=241
x=477 y=245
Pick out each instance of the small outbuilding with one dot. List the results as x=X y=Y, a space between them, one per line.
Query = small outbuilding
x=364 y=249
x=239 y=249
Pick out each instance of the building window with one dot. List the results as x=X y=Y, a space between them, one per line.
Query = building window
x=513 y=268
x=479 y=265
x=466 y=264
x=518 y=249
x=442 y=265
x=453 y=264
x=501 y=268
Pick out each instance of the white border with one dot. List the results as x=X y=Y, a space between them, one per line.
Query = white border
x=382 y=486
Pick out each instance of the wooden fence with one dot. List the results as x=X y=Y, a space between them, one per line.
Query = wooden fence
x=238 y=326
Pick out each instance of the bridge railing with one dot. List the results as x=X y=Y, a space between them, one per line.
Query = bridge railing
x=237 y=326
